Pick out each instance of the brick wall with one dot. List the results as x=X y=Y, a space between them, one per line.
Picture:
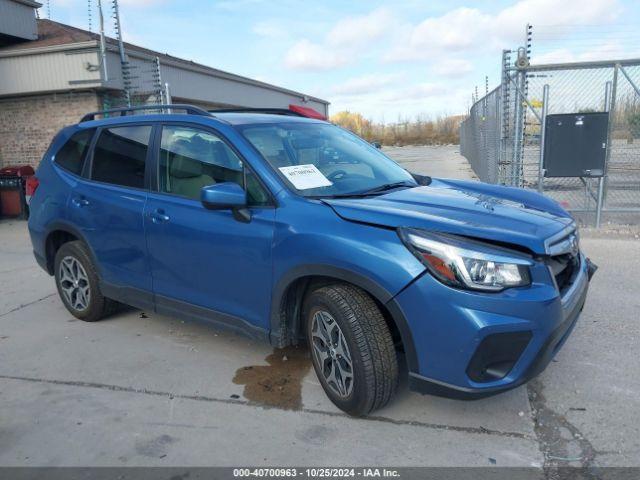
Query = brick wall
x=27 y=124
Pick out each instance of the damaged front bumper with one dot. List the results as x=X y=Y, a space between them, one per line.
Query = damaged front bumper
x=472 y=345
x=591 y=268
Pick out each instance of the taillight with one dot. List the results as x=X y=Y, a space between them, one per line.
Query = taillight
x=31 y=186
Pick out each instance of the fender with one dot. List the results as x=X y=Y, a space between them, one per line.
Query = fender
x=128 y=295
x=65 y=226
x=278 y=337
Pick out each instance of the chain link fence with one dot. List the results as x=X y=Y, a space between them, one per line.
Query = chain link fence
x=481 y=134
x=502 y=136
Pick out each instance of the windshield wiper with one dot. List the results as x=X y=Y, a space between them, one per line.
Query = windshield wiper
x=368 y=193
x=341 y=195
x=387 y=186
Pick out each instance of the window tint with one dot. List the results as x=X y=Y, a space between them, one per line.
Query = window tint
x=71 y=156
x=191 y=159
x=120 y=154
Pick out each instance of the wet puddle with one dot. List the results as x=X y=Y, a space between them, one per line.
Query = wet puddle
x=278 y=384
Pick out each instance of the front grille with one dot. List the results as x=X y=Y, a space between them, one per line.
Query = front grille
x=564 y=267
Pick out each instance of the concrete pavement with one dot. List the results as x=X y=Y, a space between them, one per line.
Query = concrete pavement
x=438 y=161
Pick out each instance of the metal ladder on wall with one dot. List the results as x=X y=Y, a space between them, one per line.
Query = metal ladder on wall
x=125 y=66
x=131 y=73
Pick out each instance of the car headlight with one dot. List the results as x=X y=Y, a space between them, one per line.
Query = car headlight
x=465 y=263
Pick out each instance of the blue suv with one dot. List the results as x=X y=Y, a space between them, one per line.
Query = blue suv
x=290 y=229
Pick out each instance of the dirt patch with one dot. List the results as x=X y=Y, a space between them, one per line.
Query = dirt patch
x=155 y=447
x=278 y=384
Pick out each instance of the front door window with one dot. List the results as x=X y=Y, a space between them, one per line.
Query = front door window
x=191 y=158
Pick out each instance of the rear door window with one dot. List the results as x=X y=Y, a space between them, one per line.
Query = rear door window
x=73 y=153
x=120 y=155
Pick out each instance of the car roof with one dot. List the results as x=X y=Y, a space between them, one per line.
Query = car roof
x=229 y=118
x=245 y=118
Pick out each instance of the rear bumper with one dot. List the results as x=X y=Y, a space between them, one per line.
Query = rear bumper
x=449 y=327
x=41 y=261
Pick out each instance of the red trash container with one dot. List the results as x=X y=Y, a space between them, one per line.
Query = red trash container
x=13 y=179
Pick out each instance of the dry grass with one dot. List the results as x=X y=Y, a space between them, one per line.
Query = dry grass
x=441 y=131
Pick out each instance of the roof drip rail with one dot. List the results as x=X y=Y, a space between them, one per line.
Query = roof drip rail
x=189 y=110
x=272 y=111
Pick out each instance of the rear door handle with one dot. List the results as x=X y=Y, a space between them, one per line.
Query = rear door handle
x=79 y=202
x=159 y=216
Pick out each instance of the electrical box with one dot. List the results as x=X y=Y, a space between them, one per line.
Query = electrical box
x=575 y=144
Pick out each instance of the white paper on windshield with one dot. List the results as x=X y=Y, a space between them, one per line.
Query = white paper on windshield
x=305 y=177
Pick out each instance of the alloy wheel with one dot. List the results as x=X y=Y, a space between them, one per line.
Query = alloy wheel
x=74 y=283
x=332 y=353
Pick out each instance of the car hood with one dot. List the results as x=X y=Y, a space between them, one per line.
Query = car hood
x=473 y=209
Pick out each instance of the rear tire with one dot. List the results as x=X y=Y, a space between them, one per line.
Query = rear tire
x=351 y=348
x=78 y=284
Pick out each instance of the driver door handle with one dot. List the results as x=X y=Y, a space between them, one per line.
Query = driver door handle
x=159 y=216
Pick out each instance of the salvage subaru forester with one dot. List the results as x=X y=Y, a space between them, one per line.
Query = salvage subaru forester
x=292 y=229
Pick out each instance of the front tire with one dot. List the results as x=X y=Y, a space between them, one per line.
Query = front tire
x=351 y=348
x=78 y=283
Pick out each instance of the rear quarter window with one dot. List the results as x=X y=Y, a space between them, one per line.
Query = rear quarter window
x=72 y=155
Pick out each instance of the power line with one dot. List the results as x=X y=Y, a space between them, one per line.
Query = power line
x=580 y=25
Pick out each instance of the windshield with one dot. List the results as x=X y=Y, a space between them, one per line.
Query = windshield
x=322 y=160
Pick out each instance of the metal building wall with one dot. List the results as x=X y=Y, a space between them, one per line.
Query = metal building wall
x=18 y=19
x=72 y=67
x=199 y=84
x=47 y=71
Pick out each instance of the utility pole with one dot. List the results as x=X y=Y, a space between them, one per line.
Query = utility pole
x=167 y=96
x=103 y=46
x=124 y=64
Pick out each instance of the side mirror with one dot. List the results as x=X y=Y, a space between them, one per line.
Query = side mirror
x=223 y=196
x=376 y=145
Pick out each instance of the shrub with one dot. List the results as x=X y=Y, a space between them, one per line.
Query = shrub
x=443 y=130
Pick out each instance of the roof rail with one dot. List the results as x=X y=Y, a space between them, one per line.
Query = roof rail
x=189 y=109
x=272 y=111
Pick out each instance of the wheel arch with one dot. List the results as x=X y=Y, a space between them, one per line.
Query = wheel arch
x=57 y=235
x=289 y=293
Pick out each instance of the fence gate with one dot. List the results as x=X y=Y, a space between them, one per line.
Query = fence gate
x=504 y=137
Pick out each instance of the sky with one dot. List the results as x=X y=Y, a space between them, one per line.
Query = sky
x=390 y=60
